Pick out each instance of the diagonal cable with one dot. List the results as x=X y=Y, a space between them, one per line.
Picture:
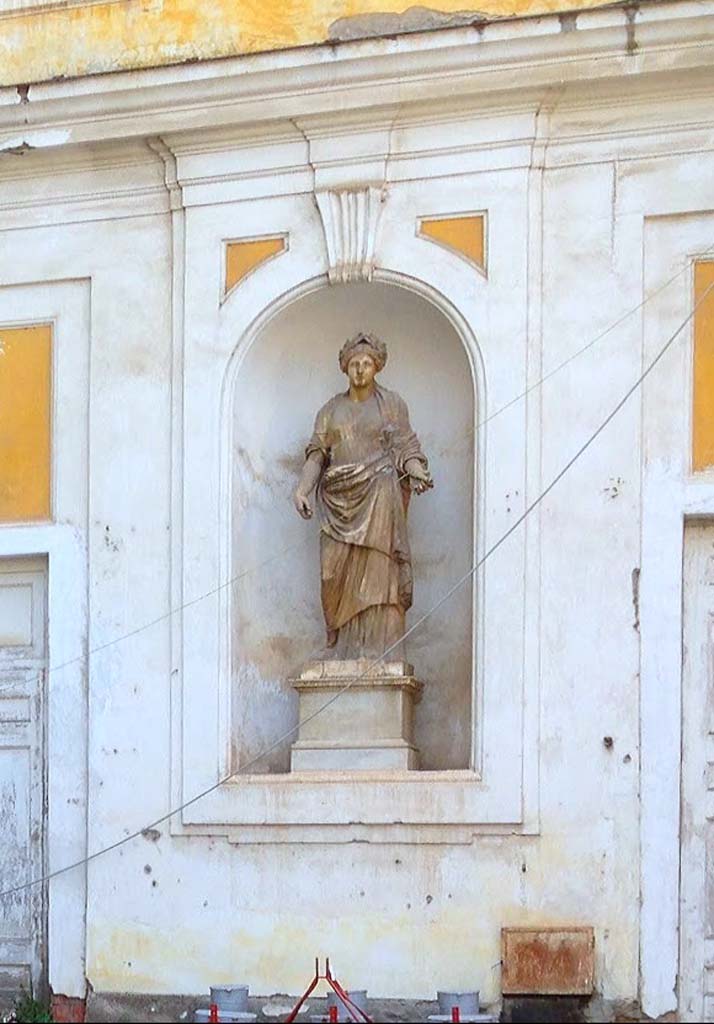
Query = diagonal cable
x=431 y=611
x=472 y=431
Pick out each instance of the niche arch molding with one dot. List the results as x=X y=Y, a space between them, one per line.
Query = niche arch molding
x=463 y=748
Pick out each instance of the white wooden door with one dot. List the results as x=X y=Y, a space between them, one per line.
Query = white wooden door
x=23 y=630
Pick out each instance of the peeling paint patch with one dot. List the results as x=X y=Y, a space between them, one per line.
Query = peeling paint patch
x=414 y=19
x=36 y=140
x=614 y=486
x=636 y=598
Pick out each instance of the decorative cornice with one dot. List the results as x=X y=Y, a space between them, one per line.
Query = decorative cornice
x=350 y=218
x=501 y=62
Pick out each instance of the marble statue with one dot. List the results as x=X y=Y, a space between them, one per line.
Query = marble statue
x=364 y=460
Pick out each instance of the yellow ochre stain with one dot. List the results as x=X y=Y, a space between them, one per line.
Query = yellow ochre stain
x=37 y=45
x=261 y=948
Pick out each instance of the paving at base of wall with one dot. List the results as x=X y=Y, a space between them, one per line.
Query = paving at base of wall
x=113 y=1008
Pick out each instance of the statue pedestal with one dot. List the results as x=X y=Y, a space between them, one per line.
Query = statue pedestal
x=369 y=727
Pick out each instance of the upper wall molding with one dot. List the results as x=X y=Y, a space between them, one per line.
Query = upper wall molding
x=518 y=60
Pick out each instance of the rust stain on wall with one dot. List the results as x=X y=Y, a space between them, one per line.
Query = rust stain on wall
x=414 y=19
x=548 y=961
x=44 y=43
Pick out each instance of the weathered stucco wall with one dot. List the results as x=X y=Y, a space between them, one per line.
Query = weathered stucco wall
x=570 y=814
x=173 y=914
x=90 y=38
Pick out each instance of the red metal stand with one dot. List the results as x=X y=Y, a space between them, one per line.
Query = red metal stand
x=355 y=1012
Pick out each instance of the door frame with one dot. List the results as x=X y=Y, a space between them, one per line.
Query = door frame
x=65 y=743
x=696 y=780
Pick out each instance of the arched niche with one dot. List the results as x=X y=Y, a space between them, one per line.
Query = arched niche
x=282 y=375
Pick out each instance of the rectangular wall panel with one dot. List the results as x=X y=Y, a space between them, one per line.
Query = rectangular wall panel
x=16 y=615
x=25 y=415
x=703 y=388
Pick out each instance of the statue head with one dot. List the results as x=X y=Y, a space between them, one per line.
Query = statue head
x=363 y=344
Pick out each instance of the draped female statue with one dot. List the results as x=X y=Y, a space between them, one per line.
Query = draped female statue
x=364 y=459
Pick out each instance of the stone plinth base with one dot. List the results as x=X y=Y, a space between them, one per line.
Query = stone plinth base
x=368 y=727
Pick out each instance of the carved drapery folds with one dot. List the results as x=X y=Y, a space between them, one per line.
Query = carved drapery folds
x=350 y=218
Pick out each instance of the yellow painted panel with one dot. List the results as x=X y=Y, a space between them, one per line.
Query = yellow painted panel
x=242 y=257
x=90 y=38
x=463 y=235
x=25 y=413
x=703 y=398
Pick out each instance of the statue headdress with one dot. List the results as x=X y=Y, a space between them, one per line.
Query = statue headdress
x=363 y=342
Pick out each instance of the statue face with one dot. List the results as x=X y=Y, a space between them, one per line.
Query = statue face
x=361 y=370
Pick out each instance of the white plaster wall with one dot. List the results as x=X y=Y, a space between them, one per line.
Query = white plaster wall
x=288 y=374
x=174 y=913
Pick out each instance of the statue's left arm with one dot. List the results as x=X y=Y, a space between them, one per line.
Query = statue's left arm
x=411 y=460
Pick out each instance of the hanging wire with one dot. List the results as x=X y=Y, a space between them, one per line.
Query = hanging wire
x=292 y=547
x=423 y=618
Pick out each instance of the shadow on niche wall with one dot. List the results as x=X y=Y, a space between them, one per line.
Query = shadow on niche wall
x=289 y=372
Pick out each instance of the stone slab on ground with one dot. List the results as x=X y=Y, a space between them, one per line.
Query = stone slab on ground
x=203 y=1016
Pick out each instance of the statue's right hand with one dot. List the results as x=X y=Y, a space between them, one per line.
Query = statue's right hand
x=302 y=504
